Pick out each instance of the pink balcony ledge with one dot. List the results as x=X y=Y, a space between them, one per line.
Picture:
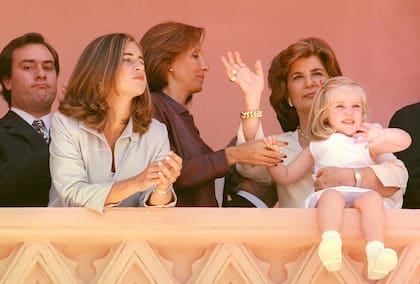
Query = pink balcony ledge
x=190 y=245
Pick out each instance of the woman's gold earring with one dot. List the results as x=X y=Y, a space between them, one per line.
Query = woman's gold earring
x=289 y=101
x=171 y=69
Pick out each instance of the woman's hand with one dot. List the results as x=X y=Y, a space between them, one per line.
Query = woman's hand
x=170 y=169
x=162 y=173
x=333 y=176
x=256 y=152
x=250 y=82
x=271 y=143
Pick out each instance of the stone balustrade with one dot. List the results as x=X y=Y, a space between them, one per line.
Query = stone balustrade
x=191 y=245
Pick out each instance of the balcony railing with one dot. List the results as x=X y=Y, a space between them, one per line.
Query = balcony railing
x=191 y=245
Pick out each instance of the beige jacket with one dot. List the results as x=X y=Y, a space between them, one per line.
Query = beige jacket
x=80 y=162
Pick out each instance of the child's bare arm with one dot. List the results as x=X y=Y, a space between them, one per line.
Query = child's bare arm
x=294 y=171
x=383 y=140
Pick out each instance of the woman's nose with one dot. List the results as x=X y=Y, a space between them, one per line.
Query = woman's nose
x=204 y=65
x=139 y=67
x=309 y=81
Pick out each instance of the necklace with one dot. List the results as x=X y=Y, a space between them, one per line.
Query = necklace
x=301 y=133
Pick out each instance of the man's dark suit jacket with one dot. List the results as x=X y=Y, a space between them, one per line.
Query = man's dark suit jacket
x=407 y=118
x=24 y=164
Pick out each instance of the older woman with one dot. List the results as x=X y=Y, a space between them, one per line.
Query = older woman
x=106 y=150
x=175 y=68
x=294 y=76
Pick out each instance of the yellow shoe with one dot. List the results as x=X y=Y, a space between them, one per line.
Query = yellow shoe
x=381 y=264
x=329 y=252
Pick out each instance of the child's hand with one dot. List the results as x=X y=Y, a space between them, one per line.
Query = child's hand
x=372 y=133
x=271 y=143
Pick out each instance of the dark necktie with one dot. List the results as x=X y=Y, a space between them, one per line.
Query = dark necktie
x=40 y=127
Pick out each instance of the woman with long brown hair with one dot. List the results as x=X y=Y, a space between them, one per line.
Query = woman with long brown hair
x=106 y=150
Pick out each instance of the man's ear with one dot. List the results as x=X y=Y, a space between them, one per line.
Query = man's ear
x=7 y=82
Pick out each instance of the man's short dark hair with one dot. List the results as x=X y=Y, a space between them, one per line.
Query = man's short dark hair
x=6 y=58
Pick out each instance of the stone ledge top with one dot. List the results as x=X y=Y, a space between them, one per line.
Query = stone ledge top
x=204 y=225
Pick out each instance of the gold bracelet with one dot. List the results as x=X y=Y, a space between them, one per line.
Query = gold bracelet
x=251 y=114
x=161 y=191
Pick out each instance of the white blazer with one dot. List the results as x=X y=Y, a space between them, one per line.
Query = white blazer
x=81 y=159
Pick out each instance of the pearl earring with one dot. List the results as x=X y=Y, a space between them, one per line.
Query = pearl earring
x=171 y=69
x=289 y=101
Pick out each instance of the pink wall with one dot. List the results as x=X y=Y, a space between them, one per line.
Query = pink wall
x=375 y=41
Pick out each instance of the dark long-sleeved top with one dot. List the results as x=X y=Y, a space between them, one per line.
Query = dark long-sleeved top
x=407 y=118
x=24 y=164
x=201 y=165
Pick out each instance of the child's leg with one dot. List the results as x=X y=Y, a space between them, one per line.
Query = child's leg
x=372 y=215
x=330 y=212
x=381 y=260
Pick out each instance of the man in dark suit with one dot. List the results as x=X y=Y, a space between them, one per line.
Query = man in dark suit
x=29 y=69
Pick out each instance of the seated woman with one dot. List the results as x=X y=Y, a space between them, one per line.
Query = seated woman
x=176 y=68
x=106 y=150
x=294 y=76
x=341 y=137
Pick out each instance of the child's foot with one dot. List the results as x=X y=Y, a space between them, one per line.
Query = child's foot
x=329 y=252
x=381 y=263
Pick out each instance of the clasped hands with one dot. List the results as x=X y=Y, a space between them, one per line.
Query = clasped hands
x=271 y=143
x=161 y=173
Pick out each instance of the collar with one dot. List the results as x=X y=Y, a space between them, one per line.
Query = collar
x=173 y=103
x=127 y=132
x=29 y=118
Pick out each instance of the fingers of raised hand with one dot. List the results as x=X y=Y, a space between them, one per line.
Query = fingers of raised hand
x=238 y=59
x=230 y=70
x=233 y=64
x=228 y=67
x=259 y=68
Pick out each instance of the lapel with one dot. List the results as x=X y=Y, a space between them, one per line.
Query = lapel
x=14 y=125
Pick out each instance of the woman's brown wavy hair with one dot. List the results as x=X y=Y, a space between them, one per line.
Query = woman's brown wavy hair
x=93 y=79
x=279 y=71
x=162 y=44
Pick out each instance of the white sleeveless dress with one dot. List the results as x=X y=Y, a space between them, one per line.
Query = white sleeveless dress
x=342 y=151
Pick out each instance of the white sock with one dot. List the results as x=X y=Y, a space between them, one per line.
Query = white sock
x=374 y=247
x=331 y=235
